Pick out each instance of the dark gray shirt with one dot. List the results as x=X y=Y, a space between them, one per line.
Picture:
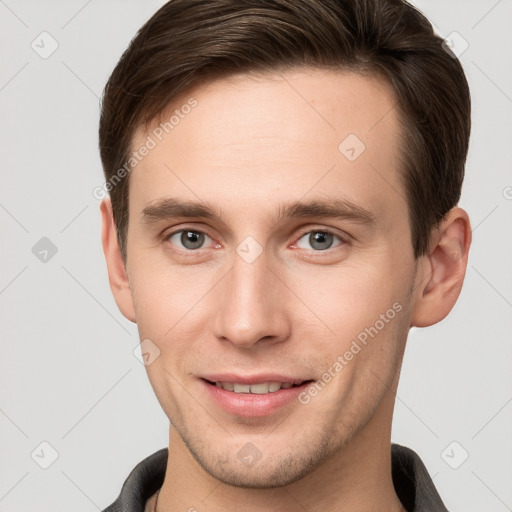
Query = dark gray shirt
x=412 y=482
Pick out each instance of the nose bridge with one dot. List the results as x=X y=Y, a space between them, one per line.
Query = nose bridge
x=250 y=308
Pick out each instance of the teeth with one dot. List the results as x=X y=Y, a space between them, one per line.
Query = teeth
x=242 y=388
x=229 y=386
x=256 y=389
x=261 y=389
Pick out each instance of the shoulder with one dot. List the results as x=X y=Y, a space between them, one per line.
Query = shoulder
x=142 y=483
x=412 y=481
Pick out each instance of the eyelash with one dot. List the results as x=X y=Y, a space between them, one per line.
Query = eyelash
x=343 y=240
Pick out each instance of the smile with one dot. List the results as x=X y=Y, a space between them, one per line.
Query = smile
x=253 y=396
x=257 y=389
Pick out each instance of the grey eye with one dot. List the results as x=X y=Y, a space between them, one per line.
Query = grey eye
x=188 y=239
x=318 y=240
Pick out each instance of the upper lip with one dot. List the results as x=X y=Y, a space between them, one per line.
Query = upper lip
x=253 y=379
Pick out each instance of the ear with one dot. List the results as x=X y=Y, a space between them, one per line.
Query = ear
x=441 y=272
x=117 y=275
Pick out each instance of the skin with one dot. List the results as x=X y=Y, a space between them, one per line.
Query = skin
x=252 y=143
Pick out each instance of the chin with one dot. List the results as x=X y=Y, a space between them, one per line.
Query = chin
x=277 y=470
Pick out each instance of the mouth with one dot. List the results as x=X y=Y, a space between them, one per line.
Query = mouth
x=261 y=388
x=254 y=397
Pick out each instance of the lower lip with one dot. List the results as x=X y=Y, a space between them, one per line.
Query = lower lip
x=252 y=405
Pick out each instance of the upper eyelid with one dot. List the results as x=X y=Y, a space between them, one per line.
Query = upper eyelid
x=166 y=234
x=330 y=231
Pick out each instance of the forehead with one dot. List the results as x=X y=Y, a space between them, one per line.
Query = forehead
x=276 y=137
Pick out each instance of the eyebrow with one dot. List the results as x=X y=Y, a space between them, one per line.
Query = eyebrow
x=343 y=209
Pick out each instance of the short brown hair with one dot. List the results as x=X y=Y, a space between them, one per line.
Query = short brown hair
x=189 y=41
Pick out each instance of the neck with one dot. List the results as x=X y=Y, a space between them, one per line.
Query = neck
x=357 y=478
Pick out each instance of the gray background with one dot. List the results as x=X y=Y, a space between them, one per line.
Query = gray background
x=68 y=373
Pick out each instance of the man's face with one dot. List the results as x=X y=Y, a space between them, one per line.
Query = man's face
x=254 y=297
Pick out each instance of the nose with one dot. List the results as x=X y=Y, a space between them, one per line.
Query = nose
x=251 y=308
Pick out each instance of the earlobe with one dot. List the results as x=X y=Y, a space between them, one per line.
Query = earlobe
x=443 y=270
x=117 y=274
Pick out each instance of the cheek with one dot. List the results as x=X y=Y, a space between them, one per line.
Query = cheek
x=349 y=296
x=164 y=295
x=363 y=359
x=364 y=308
x=173 y=308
